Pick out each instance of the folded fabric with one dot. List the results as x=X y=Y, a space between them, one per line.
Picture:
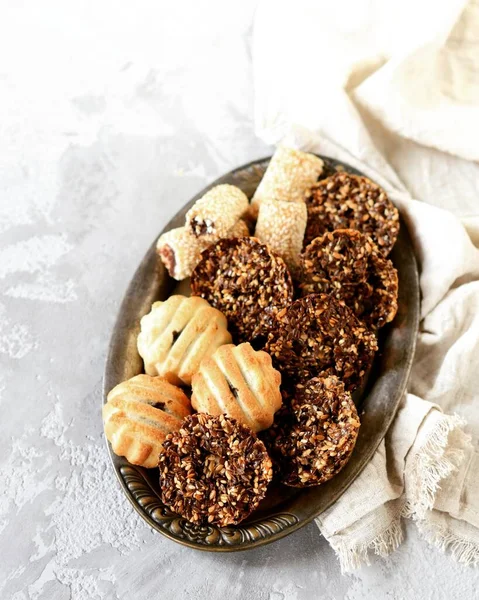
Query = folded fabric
x=422 y=448
x=320 y=76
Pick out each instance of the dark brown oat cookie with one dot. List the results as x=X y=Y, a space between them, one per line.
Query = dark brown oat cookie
x=313 y=439
x=213 y=470
x=320 y=333
x=346 y=264
x=346 y=201
x=247 y=282
x=380 y=304
x=337 y=257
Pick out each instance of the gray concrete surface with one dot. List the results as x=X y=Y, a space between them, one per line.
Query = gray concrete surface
x=113 y=115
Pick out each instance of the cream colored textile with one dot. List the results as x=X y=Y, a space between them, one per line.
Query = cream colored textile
x=399 y=99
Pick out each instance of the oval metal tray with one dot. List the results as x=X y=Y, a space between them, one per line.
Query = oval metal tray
x=284 y=510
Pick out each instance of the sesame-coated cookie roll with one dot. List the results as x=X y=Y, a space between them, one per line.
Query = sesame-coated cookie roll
x=212 y=216
x=180 y=250
x=281 y=225
x=290 y=176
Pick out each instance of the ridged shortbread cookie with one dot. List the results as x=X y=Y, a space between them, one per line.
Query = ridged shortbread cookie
x=176 y=335
x=139 y=414
x=239 y=382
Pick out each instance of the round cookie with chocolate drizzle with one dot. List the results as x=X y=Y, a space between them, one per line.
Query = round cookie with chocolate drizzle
x=346 y=201
x=313 y=438
x=247 y=282
x=320 y=333
x=214 y=470
x=346 y=264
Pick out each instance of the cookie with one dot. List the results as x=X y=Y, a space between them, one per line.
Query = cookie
x=212 y=216
x=289 y=177
x=346 y=201
x=320 y=333
x=214 y=470
x=177 y=334
x=338 y=257
x=247 y=282
x=138 y=415
x=180 y=250
x=281 y=226
x=239 y=382
x=380 y=307
x=313 y=438
x=347 y=264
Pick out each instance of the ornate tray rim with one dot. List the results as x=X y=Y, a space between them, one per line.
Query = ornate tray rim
x=261 y=530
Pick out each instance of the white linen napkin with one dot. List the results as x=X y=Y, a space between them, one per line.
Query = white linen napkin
x=391 y=95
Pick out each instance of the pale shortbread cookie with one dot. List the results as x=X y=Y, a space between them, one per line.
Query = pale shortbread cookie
x=239 y=382
x=290 y=176
x=212 y=216
x=176 y=335
x=180 y=250
x=138 y=416
x=281 y=225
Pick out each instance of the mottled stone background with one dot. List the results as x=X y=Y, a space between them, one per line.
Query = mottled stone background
x=113 y=114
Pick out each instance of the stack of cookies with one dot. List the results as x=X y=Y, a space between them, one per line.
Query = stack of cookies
x=251 y=377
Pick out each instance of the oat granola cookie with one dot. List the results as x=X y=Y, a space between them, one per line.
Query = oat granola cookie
x=381 y=304
x=247 y=282
x=320 y=333
x=312 y=440
x=346 y=201
x=347 y=264
x=213 y=470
